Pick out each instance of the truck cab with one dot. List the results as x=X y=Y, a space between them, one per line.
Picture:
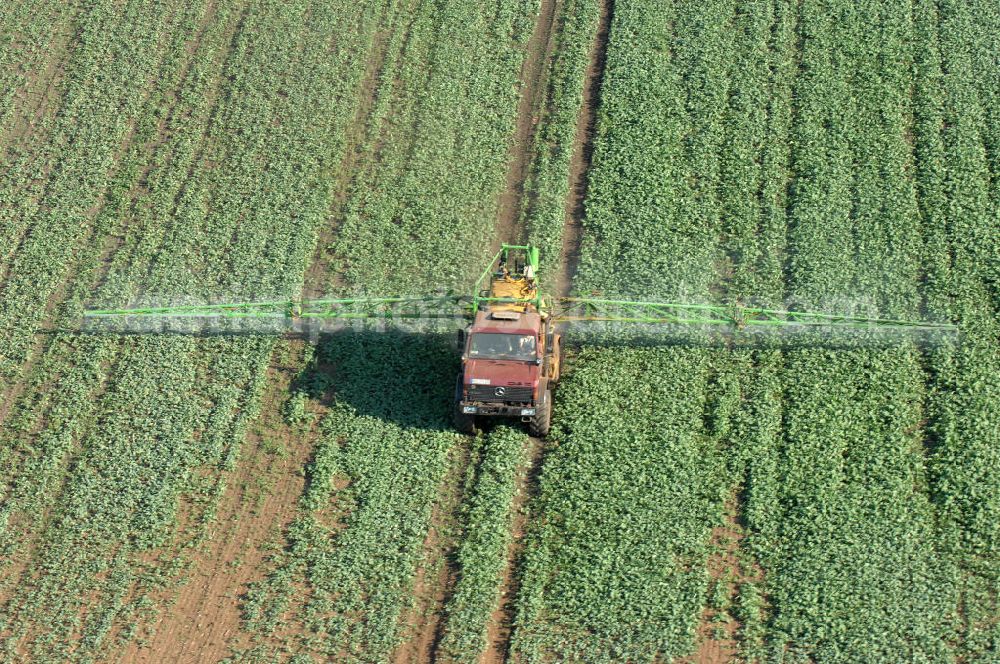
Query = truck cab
x=511 y=357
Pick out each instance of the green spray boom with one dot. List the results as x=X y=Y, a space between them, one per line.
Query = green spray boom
x=559 y=310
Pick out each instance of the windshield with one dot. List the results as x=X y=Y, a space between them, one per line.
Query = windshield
x=496 y=346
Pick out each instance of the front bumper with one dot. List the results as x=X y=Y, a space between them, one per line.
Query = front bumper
x=497 y=409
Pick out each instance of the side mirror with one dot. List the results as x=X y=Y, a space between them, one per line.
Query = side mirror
x=538 y=361
x=460 y=340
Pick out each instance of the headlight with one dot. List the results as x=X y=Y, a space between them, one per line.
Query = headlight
x=469 y=410
x=527 y=411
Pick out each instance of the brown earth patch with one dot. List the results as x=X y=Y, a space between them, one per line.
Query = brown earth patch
x=534 y=72
x=259 y=498
x=583 y=154
x=501 y=625
x=719 y=629
x=41 y=94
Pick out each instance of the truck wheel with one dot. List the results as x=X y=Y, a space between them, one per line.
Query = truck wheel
x=560 y=358
x=539 y=425
x=464 y=422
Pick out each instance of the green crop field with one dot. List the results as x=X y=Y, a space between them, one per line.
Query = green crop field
x=789 y=497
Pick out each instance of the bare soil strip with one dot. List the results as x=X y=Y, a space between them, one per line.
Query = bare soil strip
x=258 y=503
x=435 y=578
x=719 y=629
x=534 y=74
x=502 y=622
x=583 y=154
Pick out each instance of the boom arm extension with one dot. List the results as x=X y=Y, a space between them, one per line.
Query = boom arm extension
x=569 y=310
x=575 y=309
x=513 y=264
x=426 y=306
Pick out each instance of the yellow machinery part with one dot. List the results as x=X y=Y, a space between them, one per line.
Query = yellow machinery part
x=513 y=288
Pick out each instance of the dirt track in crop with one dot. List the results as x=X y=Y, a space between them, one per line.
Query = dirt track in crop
x=502 y=623
x=719 y=630
x=534 y=75
x=435 y=579
x=257 y=504
x=583 y=155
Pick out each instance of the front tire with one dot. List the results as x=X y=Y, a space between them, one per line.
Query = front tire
x=464 y=423
x=539 y=425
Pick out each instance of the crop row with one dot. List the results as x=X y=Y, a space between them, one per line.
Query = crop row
x=875 y=462
x=892 y=229
x=82 y=171
x=957 y=175
x=34 y=40
x=53 y=438
x=616 y=570
x=643 y=203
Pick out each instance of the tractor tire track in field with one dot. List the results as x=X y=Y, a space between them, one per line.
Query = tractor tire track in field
x=534 y=75
x=435 y=579
x=720 y=630
x=430 y=599
x=501 y=626
x=583 y=154
x=502 y=623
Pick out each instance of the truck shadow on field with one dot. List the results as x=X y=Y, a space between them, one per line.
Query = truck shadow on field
x=395 y=374
x=407 y=378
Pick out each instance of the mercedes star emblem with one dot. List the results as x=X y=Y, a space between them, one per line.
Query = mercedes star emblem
x=500 y=391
